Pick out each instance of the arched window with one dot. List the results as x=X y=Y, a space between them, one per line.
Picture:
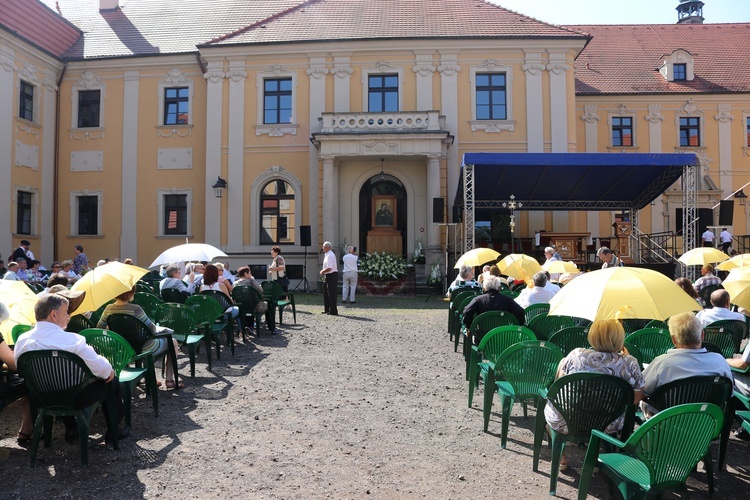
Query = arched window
x=277 y=211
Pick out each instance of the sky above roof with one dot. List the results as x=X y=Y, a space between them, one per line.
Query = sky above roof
x=633 y=12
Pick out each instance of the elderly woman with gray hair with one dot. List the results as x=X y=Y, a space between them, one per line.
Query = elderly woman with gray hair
x=11 y=385
x=465 y=278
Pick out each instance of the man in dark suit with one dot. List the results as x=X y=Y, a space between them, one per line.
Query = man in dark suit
x=20 y=252
x=492 y=300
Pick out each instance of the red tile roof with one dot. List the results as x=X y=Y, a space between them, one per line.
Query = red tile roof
x=316 y=20
x=625 y=59
x=38 y=24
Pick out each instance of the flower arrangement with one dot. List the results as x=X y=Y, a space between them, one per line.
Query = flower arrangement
x=382 y=266
x=435 y=277
x=419 y=254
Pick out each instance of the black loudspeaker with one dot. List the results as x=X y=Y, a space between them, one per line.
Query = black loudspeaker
x=304 y=234
x=726 y=212
x=457 y=214
x=438 y=216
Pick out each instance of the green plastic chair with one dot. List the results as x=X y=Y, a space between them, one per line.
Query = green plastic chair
x=520 y=372
x=457 y=296
x=78 y=323
x=493 y=344
x=544 y=326
x=657 y=323
x=534 y=310
x=587 y=401
x=633 y=325
x=480 y=325
x=180 y=318
x=55 y=379
x=120 y=355
x=571 y=337
x=173 y=295
x=459 y=324
x=155 y=346
x=705 y=295
x=143 y=287
x=651 y=342
x=274 y=294
x=148 y=302
x=247 y=298
x=659 y=455
x=224 y=319
x=726 y=333
x=19 y=330
x=705 y=389
x=96 y=315
x=634 y=351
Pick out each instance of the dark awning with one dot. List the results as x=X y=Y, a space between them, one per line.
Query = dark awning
x=572 y=181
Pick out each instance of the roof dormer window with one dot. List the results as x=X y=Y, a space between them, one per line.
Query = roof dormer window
x=678 y=66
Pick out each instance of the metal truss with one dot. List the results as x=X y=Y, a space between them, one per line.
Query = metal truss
x=469 y=206
x=689 y=212
x=558 y=204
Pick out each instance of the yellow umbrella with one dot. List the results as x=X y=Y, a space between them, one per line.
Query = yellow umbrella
x=519 y=266
x=738 y=286
x=20 y=301
x=477 y=257
x=104 y=283
x=560 y=267
x=702 y=255
x=622 y=293
x=741 y=260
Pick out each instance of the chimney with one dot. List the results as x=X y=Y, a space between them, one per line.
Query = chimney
x=109 y=5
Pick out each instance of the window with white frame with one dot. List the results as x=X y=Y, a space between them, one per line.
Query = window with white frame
x=277 y=213
x=491 y=99
x=89 y=108
x=277 y=102
x=86 y=213
x=24 y=211
x=175 y=214
x=382 y=93
x=175 y=99
x=26 y=101
x=622 y=131
x=690 y=133
x=87 y=102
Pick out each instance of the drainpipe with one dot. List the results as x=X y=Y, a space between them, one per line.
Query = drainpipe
x=55 y=195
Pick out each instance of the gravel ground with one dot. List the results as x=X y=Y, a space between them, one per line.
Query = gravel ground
x=370 y=403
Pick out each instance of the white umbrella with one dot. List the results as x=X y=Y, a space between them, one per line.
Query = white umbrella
x=188 y=252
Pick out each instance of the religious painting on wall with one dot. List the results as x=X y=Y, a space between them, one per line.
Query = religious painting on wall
x=383 y=212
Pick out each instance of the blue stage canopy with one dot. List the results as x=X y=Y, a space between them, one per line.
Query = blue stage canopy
x=572 y=181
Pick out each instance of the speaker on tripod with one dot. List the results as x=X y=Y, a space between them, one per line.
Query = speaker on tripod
x=305 y=240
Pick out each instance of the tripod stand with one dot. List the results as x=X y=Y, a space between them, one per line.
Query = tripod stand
x=305 y=284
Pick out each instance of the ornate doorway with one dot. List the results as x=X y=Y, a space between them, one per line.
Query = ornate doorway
x=382 y=215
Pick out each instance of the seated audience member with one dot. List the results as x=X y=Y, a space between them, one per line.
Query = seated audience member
x=23 y=270
x=485 y=273
x=173 y=281
x=686 y=285
x=708 y=278
x=607 y=338
x=55 y=279
x=33 y=272
x=211 y=282
x=67 y=268
x=3 y=269
x=12 y=273
x=720 y=310
x=465 y=278
x=225 y=272
x=551 y=287
x=491 y=300
x=687 y=359
x=14 y=386
x=197 y=269
x=128 y=261
x=223 y=277
x=608 y=258
x=536 y=294
x=742 y=382
x=245 y=278
x=122 y=305
x=52 y=316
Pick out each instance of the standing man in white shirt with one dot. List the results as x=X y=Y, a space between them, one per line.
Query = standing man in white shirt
x=708 y=238
x=726 y=240
x=350 y=275
x=330 y=273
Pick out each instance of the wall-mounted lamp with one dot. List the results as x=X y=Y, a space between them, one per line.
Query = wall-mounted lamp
x=740 y=195
x=219 y=187
x=382 y=173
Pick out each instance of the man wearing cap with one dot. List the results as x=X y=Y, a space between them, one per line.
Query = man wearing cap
x=52 y=312
x=21 y=251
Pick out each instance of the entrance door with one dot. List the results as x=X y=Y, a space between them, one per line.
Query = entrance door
x=386 y=221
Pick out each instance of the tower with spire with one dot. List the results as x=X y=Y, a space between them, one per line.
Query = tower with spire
x=690 y=12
